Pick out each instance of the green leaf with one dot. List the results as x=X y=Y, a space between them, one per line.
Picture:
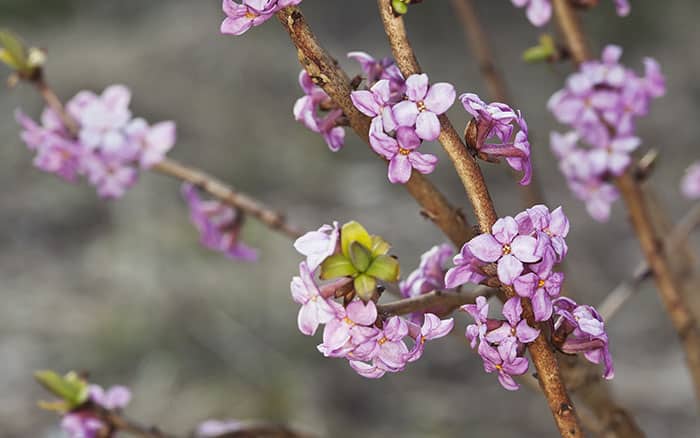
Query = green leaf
x=336 y=266
x=353 y=232
x=365 y=286
x=384 y=268
x=7 y=59
x=544 y=51
x=379 y=246
x=70 y=388
x=14 y=49
x=360 y=256
x=399 y=7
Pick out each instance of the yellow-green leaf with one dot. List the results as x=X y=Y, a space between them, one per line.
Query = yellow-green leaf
x=365 y=286
x=14 y=48
x=379 y=246
x=360 y=256
x=337 y=266
x=354 y=232
x=384 y=268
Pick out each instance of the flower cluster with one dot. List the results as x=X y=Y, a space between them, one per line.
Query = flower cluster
x=317 y=111
x=218 y=224
x=690 y=185
x=250 y=13
x=540 y=11
x=352 y=262
x=583 y=331
x=490 y=134
x=400 y=123
x=84 y=423
x=501 y=343
x=525 y=249
x=308 y=109
x=110 y=146
x=600 y=103
x=428 y=277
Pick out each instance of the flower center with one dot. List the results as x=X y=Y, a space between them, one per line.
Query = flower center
x=421 y=106
x=540 y=283
x=382 y=341
x=506 y=249
x=250 y=15
x=499 y=367
x=403 y=151
x=348 y=321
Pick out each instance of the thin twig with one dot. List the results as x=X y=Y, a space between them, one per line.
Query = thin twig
x=223 y=192
x=640 y=216
x=116 y=421
x=473 y=181
x=446 y=300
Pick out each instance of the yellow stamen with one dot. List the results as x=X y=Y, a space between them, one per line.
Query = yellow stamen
x=250 y=15
x=382 y=341
x=540 y=283
x=506 y=249
x=403 y=151
x=421 y=106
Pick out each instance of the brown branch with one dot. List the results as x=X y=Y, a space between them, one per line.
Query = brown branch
x=442 y=299
x=223 y=192
x=596 y=395
x=470 y=174
x=116 y=421
x=642 y=220
x=326 y=73
x=226 y=194
x=255 y=429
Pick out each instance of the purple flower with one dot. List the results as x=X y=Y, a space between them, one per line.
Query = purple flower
x=116 y=397
x=505 y=361
x=82 y=425
x=505 y=246
x=423 y=105
x=430 y=274
x=154 y=142
x=348 y=323
x=307 y=110
x=56 y=152
x=376 y=70
x=584 y=330
x=400 y=151
x=467 y=269
x=514 y=327
x=690 y=185
x=432 y=328
x=318 y=245
x=219 y=225
x=315 y=309
x=242 y=16
x=480 y=312
x=111 y=177
x=376 y=103
x=495 y=121
x=553 y=226
x=538 y=11
x=540 y=285
x=600 y=103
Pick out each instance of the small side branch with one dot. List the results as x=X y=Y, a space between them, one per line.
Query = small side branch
x=435 y=299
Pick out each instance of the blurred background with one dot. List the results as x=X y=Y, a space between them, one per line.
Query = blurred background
x=124 y=290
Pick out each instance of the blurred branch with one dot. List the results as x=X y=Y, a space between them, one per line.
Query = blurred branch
x=470 y=174
x=642 y=220
x=223 y=192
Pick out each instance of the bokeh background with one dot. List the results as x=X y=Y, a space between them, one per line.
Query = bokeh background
x=123 y=289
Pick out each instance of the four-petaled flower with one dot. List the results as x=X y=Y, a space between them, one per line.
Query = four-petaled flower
x=423 y=105
x=315 y=308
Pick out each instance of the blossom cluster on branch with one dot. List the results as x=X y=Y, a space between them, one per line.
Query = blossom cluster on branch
x=240 y=17
x=600 y=103
x=347 y=262
x=110 y=146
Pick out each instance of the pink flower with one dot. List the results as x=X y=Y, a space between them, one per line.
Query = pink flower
x=318 y=245
x=307 y=110
x=116 y=397
x=315 y=308
x=540 y=285
x=242 y=16
x=219 y=225
x=376 y=102
x=423 y=105
x=505 y=246
x=505 y=361
x=401 y=152
x=690 y=185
